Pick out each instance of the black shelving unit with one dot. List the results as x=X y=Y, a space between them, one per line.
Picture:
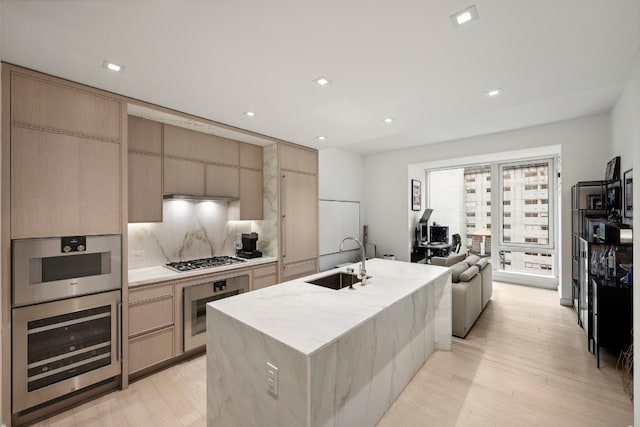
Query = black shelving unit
x=602 y=302
x=588 y=202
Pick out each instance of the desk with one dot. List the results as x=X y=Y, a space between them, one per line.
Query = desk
x=432 y=249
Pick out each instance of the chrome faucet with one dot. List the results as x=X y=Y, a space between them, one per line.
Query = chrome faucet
x=362 y=275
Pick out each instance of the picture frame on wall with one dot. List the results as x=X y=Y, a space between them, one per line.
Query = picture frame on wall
x=613 y=169
x=416 y=195
x=627 y=183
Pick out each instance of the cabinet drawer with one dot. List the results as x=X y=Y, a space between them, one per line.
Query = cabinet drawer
x=150 y=349
x=143 y=293
x=52 y=105
x=264 y=281
x=264 y=271
x=147 y=316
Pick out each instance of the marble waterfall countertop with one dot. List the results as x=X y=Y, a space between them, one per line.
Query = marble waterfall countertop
x=160 y=273
x=307 y=317
x=297 y=354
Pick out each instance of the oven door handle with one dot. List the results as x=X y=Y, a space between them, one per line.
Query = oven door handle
x=119 y=332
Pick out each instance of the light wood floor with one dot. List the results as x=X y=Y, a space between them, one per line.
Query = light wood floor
x=524 y=363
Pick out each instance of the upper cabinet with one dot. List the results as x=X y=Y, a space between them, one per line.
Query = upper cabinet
x=66 y=176
x=250 y=204
x=54 y=106
x=190 y=144
x=298 y=159
x=145 y=170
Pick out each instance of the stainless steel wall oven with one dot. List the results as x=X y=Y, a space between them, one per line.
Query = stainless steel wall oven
x=66 y=331
x=54 y=268
x=195 y=299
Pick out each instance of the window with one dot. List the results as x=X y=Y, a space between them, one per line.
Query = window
x=530 y=202
x=506 y=226
x=489 y=203
x=506 y=202
x=471 y=191
x=531 y=240
x=531 y=214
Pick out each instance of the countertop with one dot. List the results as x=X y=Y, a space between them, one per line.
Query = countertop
x=160 y=273
x=308 y=317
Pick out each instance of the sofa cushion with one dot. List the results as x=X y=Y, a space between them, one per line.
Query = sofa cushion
x=482 y=262
x=473 y=259
x=468 y=274
x=456 y=269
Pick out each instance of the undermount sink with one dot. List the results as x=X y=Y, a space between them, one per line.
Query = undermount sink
x=336 y=281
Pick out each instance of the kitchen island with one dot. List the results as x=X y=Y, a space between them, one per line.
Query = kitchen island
x=342 y=356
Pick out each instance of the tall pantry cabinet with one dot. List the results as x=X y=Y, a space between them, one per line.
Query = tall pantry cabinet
x=298 y=182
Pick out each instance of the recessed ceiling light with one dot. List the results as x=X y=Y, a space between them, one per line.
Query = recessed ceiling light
x=321 y=138
x=249 y=113
x=388 y=120
x=112 y=67
x=494 y=92
x=464 y=16
x=322 y=81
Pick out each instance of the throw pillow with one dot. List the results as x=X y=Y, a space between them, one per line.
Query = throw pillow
x=481 y=263
x=468 y=274
x=472 y=259
x=456 y=269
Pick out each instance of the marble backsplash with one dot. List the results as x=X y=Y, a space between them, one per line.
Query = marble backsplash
x=193 y=229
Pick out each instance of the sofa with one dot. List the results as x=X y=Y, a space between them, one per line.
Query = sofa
x=472 y=286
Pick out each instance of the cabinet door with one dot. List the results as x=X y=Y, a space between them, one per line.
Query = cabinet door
x=63 y=185
x=249 y=207
x=222 y=181
x=298 y=159
x=144 y=135
x=145 y=187
x=183 y=177
x=250 y=156
x=190 y=144
x=299 y=216
x=51 y=105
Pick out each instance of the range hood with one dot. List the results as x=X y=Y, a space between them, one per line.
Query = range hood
x=200 y=198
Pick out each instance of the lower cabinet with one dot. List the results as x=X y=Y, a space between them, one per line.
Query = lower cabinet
x=150 y=349
x=264 y=276
x=151 y=325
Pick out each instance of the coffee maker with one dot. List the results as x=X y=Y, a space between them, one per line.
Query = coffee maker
x=248 y=250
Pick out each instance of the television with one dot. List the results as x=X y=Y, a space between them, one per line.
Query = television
x=439 y=233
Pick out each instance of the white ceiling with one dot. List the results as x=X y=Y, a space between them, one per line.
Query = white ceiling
x=554 y=60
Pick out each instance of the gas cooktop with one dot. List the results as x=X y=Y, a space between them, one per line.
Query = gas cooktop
x=197 y=264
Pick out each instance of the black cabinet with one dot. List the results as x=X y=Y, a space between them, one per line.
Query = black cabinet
x=612 y=317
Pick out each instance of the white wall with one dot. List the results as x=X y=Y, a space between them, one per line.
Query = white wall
x=446 y=198
x=586 y=148
x=341 y=178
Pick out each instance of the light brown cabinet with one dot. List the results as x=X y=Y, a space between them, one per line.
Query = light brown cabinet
x=298 y=159
x=145 y=170
x=70 y=109
x=203 y=147
x=250 y=205
x=222 y=181
x=66 y=176
x=298 y=212
x=184 y=177
x=265 y=275
x=144 y=135
x=151 y=325
x=63 y=185
x=250 y=156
